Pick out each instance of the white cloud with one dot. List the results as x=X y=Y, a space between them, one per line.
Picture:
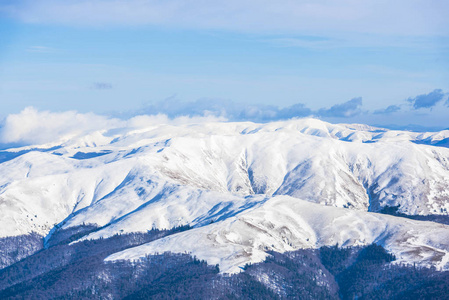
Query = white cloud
x=142 y=121
x=34 y=127
x=402 y=17
x=31 y=126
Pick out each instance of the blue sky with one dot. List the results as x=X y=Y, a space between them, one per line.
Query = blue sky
x=343 y=61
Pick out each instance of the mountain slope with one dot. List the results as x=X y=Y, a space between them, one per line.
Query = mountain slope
x=243 y=177
x=285 y=224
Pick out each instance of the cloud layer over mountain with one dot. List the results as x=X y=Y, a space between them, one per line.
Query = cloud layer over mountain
x=32 y=126
x=427 y=100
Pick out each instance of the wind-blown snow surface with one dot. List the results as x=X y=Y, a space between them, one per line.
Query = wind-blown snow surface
x=255 y=183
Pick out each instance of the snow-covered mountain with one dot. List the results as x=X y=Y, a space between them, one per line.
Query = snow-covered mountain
x=284 y=223
x=245 y=187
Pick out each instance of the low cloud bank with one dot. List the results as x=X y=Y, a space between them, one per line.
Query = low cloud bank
x=389 y=110
x=31 y=126
x=34 y=127
x=232 y=111
x=427 y=100
x=344 y=110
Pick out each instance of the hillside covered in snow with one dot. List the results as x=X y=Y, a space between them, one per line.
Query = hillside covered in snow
x=245 y=188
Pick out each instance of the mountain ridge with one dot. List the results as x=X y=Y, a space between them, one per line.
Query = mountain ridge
x=162 y=176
